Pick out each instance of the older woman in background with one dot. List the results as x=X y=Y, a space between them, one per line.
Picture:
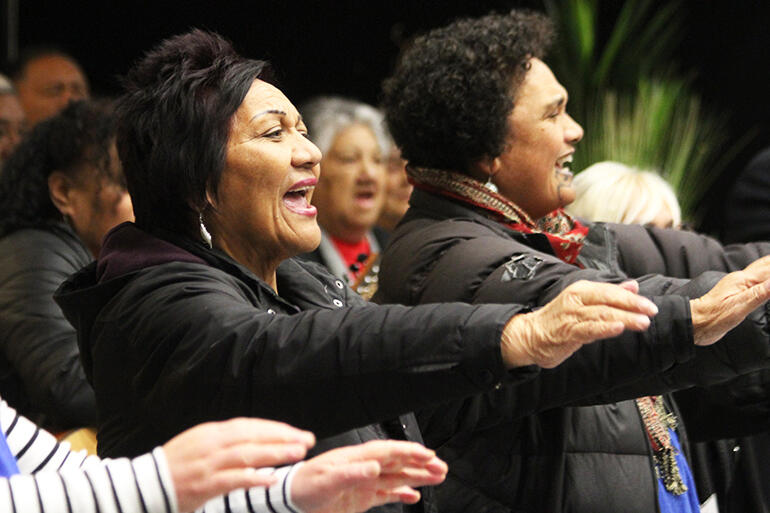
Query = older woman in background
x=612 y=192
x=60 y=192
x=482 y=122
x=351 y=190
x=177 y=328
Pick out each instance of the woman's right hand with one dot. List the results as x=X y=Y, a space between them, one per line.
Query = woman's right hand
x=733 y=298
x=582 y=313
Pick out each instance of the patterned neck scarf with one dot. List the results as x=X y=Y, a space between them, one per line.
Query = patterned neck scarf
x=564 y=233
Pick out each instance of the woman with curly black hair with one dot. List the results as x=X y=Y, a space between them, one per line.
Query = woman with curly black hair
x=482 y=122
x=60 y=192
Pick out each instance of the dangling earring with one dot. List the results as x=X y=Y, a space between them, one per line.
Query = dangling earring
x=205 y=235
x=490 y=185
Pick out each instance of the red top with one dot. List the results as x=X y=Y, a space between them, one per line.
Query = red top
x=350 y=252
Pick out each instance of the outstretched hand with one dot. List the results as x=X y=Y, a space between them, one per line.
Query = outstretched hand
x=355 y=478
x=581 y=313
x=217 y=457
x=733 y=298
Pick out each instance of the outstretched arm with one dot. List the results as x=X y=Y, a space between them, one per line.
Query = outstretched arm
x=209 y=460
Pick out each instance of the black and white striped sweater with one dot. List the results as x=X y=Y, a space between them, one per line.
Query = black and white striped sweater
x=54 y=479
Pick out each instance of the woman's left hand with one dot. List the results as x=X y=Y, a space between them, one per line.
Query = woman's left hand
x=355 y=478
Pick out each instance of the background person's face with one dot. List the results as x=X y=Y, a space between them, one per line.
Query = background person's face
x=13 y=125
x=48 y=84
x=98 y=203
x=351 y=191
x=541 y=138
x=262 y=212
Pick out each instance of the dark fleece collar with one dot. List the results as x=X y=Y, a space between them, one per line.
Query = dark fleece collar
x=128 y=248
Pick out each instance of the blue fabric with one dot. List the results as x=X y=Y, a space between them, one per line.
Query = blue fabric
x=688 y=501
x=7 y=461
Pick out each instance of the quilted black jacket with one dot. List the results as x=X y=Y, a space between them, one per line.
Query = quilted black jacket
x=40 y=372
x=577 y=454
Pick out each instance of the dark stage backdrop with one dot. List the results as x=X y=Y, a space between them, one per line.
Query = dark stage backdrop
x=348 y=47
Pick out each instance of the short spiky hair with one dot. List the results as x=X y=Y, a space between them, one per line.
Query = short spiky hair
x=448 y=100
x=174 y=121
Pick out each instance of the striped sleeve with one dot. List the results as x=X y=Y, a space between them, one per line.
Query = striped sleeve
x=276 y=499
x=55 y=480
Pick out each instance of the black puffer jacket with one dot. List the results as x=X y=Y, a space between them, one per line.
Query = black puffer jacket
x=593 y=458
x=40 y=371
x=173 y=334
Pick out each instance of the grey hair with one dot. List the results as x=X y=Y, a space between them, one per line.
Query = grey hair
x=326 y=116
x=6 y=87
x=616 y=193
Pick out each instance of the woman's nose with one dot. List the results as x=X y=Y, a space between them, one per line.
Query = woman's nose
x=305 y=154
x=573 y=132
x=372 y=169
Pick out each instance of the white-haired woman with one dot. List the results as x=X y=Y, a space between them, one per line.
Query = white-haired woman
x=351 y=191
x=612 y=192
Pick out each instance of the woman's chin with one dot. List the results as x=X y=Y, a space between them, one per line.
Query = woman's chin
x=566 y=196
x=310 y=240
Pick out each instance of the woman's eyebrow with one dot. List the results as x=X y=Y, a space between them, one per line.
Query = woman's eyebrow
x=558 y=102
x=267 y=111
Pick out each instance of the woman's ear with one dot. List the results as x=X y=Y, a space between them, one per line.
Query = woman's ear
x=60 y=189
x=486 y=167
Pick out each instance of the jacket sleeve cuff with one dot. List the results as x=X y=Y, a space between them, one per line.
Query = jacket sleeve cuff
x=485 y=368
x=673 y=331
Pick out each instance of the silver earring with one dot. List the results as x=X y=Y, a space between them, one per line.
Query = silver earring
x=490 y=185
x=205 y=235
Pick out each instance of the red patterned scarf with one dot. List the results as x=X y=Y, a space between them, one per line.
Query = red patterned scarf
x=563 y=232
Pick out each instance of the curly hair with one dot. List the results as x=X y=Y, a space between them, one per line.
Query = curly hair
x=173 y=124
x=80 y=134
x=448 y=100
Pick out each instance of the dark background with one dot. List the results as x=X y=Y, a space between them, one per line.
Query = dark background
x=348 y=47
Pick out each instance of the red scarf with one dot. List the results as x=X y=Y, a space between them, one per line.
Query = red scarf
x=564 y=233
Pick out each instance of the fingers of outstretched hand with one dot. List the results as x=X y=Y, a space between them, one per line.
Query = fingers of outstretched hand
x=597 y=315
x=630 y=285
x=256 y=455
x=759 y=270
x=618 y=296
x=726 y=305
x=754 y=296
x=412 y=476
x=239 y=430
x=400 y=494
x=389 y=453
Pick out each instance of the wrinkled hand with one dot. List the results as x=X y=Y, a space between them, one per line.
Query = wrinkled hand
x=581 y=313
x=217 y=457
x=356 y=478
x=730 y=301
